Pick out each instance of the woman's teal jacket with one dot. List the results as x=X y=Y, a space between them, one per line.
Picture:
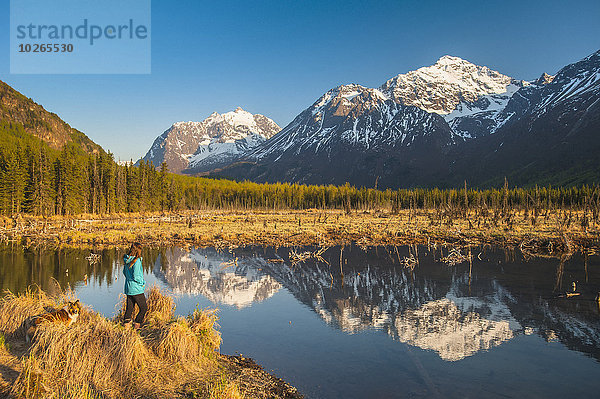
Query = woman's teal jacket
x=134 y=276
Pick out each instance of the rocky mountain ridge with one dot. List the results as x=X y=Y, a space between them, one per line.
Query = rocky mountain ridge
x=427 y=127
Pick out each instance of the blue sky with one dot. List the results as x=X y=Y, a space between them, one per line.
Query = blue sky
x=277 y=57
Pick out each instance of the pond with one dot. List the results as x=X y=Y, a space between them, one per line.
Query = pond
x=502 y=326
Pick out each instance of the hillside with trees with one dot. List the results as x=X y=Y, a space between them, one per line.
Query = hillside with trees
x=34 y=119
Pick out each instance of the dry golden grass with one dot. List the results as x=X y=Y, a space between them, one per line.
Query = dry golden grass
x=224 y=229
x=202 y=323
x=161 y=308
x=224 y=389
x=176 y=342
x=99 y=358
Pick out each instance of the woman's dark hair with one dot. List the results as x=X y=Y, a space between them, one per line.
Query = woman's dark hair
x=136 y=251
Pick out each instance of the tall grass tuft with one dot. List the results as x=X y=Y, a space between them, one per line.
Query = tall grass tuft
x=161 y=308
x=203 y=323
x=177 y=342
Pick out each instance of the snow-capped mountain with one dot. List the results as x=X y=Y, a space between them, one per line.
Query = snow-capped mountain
x=469 y=96
x=217 y=139
x=361 y=116
x=396 y=135
x=438 y=126
x=549 y=131
x=357 y=117
x=351 y=133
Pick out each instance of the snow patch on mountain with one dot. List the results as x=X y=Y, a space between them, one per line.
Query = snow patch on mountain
x=492 y=103
x=484 y=116
x=583 y=82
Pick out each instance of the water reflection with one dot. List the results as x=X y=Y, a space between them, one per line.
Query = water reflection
x=447 y=310
x=433 y=307
x=217 y=276
x=22 y=267
x=423 y=311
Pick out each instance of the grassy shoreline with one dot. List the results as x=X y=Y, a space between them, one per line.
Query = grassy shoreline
x=560 y=230
x=96 y=357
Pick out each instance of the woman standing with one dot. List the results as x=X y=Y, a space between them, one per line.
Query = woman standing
x=134 y=284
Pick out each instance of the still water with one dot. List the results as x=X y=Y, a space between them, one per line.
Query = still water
x=502 y=327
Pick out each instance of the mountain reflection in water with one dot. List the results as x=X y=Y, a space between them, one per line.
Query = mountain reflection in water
x=434 y=307
x=216 y=276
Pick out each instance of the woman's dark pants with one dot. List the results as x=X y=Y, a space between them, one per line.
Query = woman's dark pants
x=140 y=300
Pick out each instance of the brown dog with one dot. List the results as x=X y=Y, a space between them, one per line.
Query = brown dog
x=67 y=315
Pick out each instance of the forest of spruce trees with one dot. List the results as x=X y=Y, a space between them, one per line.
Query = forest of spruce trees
x=38 y=180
